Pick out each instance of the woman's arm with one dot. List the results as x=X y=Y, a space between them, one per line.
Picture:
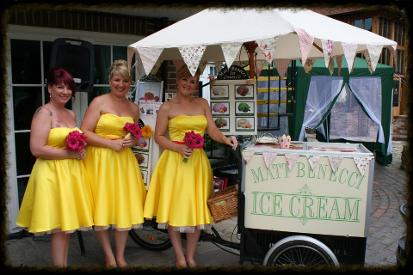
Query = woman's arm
x=40 y=128
x=89 y=123
x=161 y=130
x=213 y=130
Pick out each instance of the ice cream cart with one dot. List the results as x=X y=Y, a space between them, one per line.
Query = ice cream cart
x=307 y=204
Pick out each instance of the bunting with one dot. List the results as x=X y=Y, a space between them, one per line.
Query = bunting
x=291 y=160
x=335 y=162
x=282 y=66
x=230 y=51
x=258 y=67
x=313 y=161
x=362 y=163
x=374 y=52
x=149 y=56
x=268 y=158
x=192 y=56
x=306 y=42
x=327 y=46
x=339 y=64
x=349 y=52
x=247 y=155
x=268 y=47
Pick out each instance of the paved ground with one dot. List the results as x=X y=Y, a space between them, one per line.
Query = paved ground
x=386 y=227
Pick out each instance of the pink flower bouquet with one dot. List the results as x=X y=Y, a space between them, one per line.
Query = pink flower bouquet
x=75 y=141
x=133 y=129
x=193 y=141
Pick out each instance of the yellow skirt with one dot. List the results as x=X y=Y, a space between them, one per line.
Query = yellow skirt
x=57 y=198
x=178 y=191
x=117 y=188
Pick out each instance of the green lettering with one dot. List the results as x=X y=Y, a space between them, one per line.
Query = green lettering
x=335 y=209
x=349 y=179
x=308 y=202
x=278 y=205
x=322 y=170
x=254 y=203
x=300 y=169
x=322 y=207
x=267 y=197
x=361 y=178
x=258 y=177
x=350 y=211
x=341 y=175
x=293 y=198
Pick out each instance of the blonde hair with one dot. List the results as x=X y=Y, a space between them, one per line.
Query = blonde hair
x=120 y=67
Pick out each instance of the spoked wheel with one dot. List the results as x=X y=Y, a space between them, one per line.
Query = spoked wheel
x=150 y=237
x=300 y=250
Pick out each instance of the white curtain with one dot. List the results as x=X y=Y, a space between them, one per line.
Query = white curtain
x=368 y=92
x=322 y=91
x=349 y=121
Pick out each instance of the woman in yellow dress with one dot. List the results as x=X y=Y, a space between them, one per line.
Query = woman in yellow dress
x=116 y=181
x=57 y=199
x=179 y=190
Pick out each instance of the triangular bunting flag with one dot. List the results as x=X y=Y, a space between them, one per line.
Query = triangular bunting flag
x=349 y=52
x=331 y=66
x=368 y=60
x=247 y=155
x=327 y=50
x=362 y=164
x=374 y=54
x=268 y=47
x=339 y=64
x=306 y=43
x=282 y=66
x=149 y=56
x=335 y=162
x=269 y=158
x=259 y=66
x=230 y=51
x=313 y=160
x=291 y=160
x=192 y=56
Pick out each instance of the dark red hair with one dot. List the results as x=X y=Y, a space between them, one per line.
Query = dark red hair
x=58 y=76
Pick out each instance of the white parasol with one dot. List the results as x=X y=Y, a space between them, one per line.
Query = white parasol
x=280 y=35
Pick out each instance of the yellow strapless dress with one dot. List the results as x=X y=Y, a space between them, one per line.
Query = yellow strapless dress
x=116 y=180
x=178 y=190
x=58 y=196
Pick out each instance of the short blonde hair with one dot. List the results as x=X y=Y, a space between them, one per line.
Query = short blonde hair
x=120 y=67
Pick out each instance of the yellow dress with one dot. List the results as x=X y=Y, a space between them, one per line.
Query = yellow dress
x=116 y=181
x=58 y=196
x=178 y=190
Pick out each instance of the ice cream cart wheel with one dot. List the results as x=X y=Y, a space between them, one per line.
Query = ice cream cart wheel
x=300 y=250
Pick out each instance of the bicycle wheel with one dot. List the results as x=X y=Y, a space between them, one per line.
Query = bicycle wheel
x=300 y=250
x=150 y=237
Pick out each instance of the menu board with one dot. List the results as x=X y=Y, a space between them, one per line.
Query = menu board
x=233 y=106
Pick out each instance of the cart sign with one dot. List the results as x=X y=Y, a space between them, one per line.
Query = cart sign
x=305 y=194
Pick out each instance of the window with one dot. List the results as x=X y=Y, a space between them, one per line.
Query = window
x=365 y=23
x=30 y=61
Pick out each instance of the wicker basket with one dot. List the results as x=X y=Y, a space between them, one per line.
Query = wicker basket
x=224 y=204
